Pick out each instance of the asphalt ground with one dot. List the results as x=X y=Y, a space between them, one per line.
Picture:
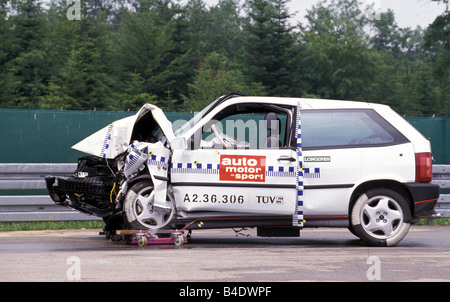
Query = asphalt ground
x=224 y=256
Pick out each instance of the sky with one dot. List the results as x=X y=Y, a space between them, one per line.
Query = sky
x=408 y=13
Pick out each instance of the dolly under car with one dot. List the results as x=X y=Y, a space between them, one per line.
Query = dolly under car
x=277 y=164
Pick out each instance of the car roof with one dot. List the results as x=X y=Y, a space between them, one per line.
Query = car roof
x=306 y=103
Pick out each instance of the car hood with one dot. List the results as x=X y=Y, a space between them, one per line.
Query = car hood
x=115 y=138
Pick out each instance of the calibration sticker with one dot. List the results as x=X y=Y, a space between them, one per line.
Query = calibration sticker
x=243 y=168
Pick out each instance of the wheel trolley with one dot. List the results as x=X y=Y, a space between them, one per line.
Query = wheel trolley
x=146 y=237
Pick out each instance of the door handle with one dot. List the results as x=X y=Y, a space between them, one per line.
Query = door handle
x=287 y=158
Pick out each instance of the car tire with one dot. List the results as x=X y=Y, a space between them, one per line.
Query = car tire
x=380 y=217
x=139 y=211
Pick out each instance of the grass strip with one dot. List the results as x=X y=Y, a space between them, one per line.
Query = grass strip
x=49 y=225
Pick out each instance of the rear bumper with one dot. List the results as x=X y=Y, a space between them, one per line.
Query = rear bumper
x=424 y=197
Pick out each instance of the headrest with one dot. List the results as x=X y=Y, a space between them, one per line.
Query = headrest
x=272 y=122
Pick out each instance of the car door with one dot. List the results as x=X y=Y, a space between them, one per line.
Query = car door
x=241 y=166
x=332 y=162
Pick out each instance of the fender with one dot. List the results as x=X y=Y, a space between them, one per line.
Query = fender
x=155 y=156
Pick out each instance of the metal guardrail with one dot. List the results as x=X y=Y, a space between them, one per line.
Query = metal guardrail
x=42 y=208
x=26 y=177
x=441 y=177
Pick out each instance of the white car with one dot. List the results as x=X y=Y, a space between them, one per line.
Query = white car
x=277 y=164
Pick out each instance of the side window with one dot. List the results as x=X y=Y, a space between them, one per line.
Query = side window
x=247 y=126
x=346 y=128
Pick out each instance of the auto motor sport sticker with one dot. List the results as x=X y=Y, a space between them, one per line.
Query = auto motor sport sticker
x=242 y=168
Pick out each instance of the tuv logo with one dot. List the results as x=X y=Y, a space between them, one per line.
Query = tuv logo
x=243 y=168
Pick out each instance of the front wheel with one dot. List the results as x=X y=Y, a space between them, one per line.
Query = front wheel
x=380 y=217
x=140 y=210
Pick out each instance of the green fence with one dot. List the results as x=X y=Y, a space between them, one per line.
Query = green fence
x=437 y=130
x=46 y=136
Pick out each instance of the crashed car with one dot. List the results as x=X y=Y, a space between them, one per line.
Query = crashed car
x=275 y=164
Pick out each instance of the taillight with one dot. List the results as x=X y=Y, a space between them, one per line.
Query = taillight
x=424 y=168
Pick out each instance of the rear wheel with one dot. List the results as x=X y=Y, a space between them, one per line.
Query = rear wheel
x=140 y=210
x=380 y=217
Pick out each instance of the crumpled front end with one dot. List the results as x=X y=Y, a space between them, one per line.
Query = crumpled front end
x=92 y=188
x=122 y=152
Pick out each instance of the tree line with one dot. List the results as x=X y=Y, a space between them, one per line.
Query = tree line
x=120 y=54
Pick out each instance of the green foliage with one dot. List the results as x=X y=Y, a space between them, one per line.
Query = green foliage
x=216 y=76
x=269 y=45
x=122 y=54
x=437 y=44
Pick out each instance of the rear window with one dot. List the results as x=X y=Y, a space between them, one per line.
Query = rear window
x=347 y=128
